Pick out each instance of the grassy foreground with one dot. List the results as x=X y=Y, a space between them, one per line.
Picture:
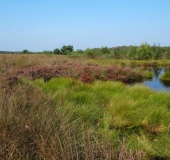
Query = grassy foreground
x=66 y=119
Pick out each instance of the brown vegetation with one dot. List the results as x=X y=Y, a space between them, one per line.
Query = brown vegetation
x=84 y=72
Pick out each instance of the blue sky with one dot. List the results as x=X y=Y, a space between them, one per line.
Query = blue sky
x=39 y=25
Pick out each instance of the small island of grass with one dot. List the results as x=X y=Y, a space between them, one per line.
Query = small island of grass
x=165 y=76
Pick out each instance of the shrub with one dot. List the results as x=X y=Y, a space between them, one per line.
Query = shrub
x=84 y=72
x=144 y=52
x=67 y=49
x=57 y=51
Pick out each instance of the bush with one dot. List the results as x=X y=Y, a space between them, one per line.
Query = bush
x=105 y=50
x=25 y=51
x=67 y=49
x=132 y=53
x=144 y=52
x=84 y=72
x=57 y=51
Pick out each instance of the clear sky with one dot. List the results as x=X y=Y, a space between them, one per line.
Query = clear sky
x=39 y=25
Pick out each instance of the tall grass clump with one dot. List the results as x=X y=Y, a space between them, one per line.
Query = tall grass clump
x=148 y=74
x=33 y=127
x=142 y=116
x=165 y=76
x=136 y=116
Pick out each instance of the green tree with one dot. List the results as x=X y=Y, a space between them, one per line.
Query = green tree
x=132 y=52
x=25 y=51
x=93 y=52
x=67 y=49
x=144 y=52
x=157 y=52
x=57 y=51
x=167 y=53
x=89 y=53
x=105 y=50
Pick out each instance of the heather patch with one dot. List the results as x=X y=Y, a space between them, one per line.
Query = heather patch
x=85 y=72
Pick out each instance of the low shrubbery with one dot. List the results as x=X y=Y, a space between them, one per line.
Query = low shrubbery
x=84 y=72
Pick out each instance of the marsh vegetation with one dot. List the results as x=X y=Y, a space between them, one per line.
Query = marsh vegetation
x=60 y=107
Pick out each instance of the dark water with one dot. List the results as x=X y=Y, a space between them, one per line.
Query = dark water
x=156 y=83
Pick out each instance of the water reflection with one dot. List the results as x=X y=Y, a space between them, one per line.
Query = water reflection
x=157 y=72
x=155 y=83
x=165 y=83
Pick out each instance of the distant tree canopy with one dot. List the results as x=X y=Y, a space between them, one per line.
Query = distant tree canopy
x=67 y=49
x=146 y=52
x=105 y=50
x=157 y=51
x=142 y=52
x=80 y=51
x=57 y=51
x=25 y=51
x=47 y=52
x=132 y=52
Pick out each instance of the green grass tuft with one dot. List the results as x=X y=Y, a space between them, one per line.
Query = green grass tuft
x=165 y=76
x=64 y=117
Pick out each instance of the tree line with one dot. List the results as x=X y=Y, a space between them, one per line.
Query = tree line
x=142 y=52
